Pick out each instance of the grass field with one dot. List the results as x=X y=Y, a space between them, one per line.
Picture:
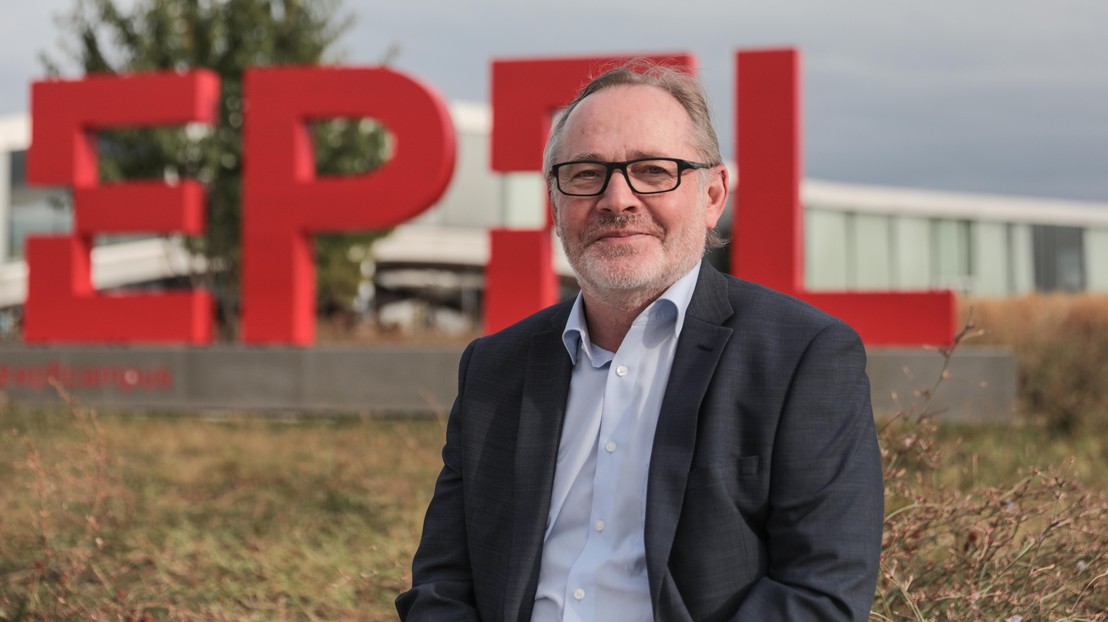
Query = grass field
x=129 y=516
x=123 y=516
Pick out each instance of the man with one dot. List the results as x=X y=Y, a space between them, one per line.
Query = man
x=673 y=444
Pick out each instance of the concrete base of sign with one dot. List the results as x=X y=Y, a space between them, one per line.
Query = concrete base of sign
x=981 y=382
x=978 y=383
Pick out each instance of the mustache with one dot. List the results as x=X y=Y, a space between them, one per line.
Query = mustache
x=605 y=224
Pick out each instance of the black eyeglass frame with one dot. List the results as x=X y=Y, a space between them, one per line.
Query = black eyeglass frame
x=610 y=167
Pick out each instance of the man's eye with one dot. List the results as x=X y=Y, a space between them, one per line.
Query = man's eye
x=653 y=173
x=587 y=174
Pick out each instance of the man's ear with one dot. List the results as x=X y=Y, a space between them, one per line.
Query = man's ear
x=716 y=190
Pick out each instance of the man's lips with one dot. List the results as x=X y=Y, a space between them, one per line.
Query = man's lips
x=618 y=234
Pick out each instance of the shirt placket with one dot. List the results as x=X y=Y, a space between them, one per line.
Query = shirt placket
x=612 y=451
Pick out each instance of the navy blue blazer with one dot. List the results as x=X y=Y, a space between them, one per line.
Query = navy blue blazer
x=764 y=496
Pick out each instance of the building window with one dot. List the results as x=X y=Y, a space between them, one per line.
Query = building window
x=1059 y=258
x=1096 y=259
x=870 y=261
x=825 y=254
x=952 y=253
x=34 y=210
x=18 y=170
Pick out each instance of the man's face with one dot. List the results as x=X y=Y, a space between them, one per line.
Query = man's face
x=621 y=241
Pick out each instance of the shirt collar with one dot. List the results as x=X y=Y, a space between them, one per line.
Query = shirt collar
x=672 y=304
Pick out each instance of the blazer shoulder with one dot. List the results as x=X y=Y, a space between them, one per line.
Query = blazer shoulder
x=548 y=323
x=758 y=307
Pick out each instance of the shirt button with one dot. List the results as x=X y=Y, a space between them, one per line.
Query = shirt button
x=600 y=525
x=579 y=594
x=621 y=371
x=610 y=447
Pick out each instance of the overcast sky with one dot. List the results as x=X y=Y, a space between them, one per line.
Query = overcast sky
x=1002 y=96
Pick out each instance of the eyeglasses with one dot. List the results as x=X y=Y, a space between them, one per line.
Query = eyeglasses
x=589 y=178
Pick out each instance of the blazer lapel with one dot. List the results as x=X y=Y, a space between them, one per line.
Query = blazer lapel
x=698 y=352
x=545 y=390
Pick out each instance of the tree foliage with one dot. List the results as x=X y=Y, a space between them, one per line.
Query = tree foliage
x=225 y=36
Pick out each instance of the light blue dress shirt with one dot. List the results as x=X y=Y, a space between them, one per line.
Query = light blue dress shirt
x=594 y=555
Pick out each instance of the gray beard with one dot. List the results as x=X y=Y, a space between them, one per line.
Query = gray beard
x=616 y=289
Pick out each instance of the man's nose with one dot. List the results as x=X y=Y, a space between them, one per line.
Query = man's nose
x=618 y=196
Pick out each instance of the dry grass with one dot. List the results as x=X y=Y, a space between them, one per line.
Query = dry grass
x=133 y=517
x=165 y=517
x=968 y=539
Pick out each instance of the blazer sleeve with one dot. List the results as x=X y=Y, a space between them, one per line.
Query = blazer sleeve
x=442 y=580
x=826 y=492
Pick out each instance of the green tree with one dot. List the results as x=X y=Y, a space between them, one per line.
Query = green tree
x=225 y=36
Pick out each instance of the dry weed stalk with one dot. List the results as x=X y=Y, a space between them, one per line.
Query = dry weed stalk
x=1036 y=550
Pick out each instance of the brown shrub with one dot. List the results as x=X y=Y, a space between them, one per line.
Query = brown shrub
x=1033 y=550
x=1036 y=550
x=1061 y=346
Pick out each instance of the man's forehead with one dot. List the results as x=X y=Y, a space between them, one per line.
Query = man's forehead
x=645 y=120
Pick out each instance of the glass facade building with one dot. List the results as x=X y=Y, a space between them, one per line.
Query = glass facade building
x=874 y=238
